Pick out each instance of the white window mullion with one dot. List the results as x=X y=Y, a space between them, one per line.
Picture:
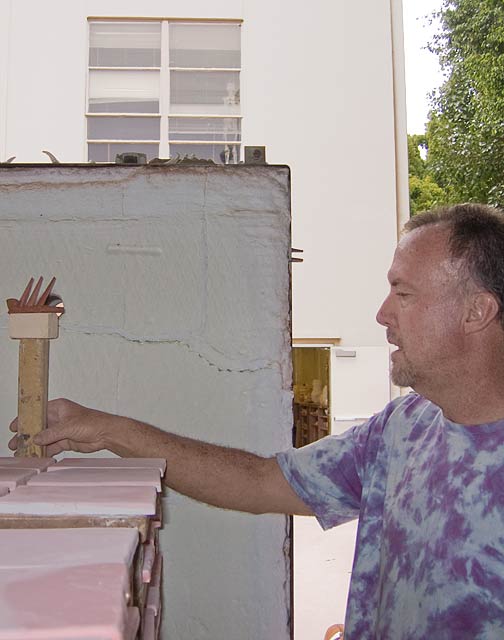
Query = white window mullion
x=164 y=88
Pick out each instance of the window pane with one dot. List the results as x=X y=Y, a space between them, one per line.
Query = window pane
x=103 y=152
x=123 y=91
x=227 y=129
x=111 y=106
x=125 y=44
x=205 y=45
x=220 y=88
x=123 y=128
x=219 y=153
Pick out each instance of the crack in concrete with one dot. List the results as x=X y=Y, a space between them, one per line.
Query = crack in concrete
x=114 y=332
x=77 y=219
x=288 y=550
x=263 y=365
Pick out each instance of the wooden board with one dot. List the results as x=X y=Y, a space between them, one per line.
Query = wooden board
x=33 y=380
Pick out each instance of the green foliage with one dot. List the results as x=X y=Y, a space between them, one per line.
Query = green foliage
x=416 y=164
x=465 y=132
x=424 y=192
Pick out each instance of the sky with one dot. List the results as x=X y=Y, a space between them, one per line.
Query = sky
x=422 y=69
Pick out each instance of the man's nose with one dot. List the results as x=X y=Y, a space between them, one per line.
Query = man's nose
x=383 y=315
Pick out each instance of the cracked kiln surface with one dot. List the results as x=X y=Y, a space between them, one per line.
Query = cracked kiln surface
x=176 y=282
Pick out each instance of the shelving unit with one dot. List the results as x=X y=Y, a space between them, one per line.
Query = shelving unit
x=311 y=422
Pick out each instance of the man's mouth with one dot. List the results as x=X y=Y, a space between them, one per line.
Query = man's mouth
x=391 y=340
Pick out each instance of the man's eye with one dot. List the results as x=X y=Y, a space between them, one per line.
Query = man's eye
x=401 y=294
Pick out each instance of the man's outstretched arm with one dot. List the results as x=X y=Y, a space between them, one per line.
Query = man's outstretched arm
x=220 y=476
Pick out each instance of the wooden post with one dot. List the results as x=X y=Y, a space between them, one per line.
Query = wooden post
x=33 y=321
x=33 y=378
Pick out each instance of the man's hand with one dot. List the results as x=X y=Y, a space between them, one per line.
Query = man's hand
x=70 y=427
x=220 y=476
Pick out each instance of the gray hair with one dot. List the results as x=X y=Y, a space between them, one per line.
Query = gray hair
x=476 y=238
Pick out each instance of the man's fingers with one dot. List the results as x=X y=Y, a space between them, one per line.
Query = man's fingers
x=54 y=449
x=48 y=436
x=14 y=425
x=51 y=450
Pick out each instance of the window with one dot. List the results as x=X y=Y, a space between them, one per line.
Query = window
x=164 y=88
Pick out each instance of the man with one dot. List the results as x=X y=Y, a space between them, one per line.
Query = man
x=425 y=476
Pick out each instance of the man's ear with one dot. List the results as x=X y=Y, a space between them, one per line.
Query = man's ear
x=482 y=310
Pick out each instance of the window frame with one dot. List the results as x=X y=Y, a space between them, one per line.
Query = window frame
x=165 y=108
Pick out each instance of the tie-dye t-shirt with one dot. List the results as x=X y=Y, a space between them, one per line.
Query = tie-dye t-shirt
x=429 y=558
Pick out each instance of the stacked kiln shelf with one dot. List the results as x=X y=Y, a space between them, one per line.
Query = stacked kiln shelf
x=82 y=541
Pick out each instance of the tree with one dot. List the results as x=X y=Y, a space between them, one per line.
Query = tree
x=424 y=192
x=465 y=132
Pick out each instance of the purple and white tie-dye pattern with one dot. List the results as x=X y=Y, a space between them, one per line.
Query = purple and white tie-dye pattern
x=429 y=558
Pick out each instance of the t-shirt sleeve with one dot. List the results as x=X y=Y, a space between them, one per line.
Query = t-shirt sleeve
x=329 y=474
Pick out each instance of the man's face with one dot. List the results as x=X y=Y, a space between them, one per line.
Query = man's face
x=424 y=311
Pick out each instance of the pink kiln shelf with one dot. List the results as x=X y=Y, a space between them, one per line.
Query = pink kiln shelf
x=151 y=624
x=38 y=464
x=91 y=477
x=111 y=463
x=37 y=548
x=80 y=501
x=12 y=477
x=71 y=603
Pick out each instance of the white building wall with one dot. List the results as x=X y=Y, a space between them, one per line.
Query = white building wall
x=322 y=79
x=317 y=91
